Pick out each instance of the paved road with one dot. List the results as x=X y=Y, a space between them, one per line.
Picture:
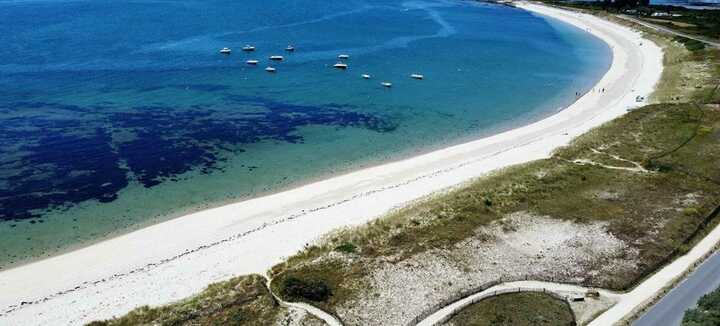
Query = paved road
x=670 y=309
x=668 y=30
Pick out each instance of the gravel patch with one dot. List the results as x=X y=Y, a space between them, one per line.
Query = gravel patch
x=520 y=246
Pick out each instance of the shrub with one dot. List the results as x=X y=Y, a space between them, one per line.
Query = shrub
x=690 y=44
x=654 y=165
x=346 y=247
x=704 y=130
x=487 y=202
x=706 y=313
x=691 y=211
x=299 y=289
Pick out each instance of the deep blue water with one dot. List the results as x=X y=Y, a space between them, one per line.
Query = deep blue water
x=116 y=114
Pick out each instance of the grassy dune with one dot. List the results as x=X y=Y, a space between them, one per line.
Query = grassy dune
x=516 y=309
x=242 y=300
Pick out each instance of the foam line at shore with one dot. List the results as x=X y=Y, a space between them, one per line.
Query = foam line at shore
x=178 y=258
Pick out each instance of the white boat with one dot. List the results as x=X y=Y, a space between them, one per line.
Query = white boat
x=252 y=62
x=225 y=50
x=340 y=65
x=386 y=84
x=365 y=76
x=270 y=69
x=343 y=57
x=290 y=48
x=276 y=58
x=417 y=76
x=248 y=48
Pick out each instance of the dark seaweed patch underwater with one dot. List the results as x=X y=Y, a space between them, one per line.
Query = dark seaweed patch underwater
x=53 y=155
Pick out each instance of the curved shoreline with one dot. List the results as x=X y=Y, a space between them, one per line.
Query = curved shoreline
x=139 y=219
x=114 y=276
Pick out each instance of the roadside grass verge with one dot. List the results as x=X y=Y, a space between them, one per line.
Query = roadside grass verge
x=690 y=44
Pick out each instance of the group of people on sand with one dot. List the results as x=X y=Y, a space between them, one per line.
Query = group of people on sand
x=578 y=94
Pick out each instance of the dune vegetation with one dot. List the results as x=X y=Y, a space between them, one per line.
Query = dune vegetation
x=517 y=309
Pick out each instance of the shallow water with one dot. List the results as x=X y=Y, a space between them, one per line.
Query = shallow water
x=118 y=114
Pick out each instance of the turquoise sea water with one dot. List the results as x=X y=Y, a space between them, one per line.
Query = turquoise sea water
x=118 y=114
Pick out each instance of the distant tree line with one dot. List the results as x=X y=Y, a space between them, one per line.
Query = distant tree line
x=619 y=4
x=607 y=5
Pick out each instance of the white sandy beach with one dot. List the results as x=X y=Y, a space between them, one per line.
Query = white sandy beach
x=178 y=258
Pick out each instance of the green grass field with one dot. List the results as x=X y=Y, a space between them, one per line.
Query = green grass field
x=515 y=309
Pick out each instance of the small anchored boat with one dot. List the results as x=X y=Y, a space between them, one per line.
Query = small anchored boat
x=225 y=51
x=276 y=58
x=386 y=84
x=365 y=76
x=248 y=48
x=340 y=65
x=343 y=57
x=417 y=76
x=270 y=69
x=290 y=48
x=252 y=62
